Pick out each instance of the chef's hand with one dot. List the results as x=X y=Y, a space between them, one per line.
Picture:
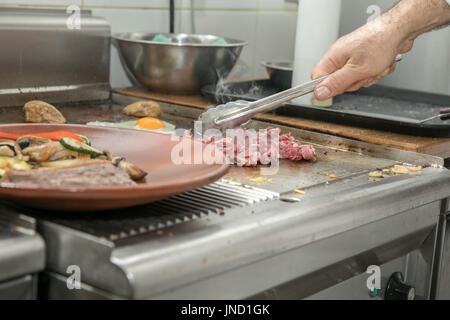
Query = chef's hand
x=359 y=59
x=363 y=57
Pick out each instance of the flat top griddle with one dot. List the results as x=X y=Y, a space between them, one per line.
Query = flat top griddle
x=377 y=107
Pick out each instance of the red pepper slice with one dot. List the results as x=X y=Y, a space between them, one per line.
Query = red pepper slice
x=52 y=135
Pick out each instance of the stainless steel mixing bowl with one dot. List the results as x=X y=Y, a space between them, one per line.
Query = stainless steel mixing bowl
x=183 y=66
x=280 y=73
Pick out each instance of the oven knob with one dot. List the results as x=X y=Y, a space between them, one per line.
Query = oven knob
x=397 y=289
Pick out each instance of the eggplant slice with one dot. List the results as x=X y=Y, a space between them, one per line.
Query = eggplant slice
x=7 y=148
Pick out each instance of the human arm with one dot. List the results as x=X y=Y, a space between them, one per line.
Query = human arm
x=364 y=56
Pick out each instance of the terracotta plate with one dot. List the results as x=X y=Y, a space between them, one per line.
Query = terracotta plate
x=149 y=151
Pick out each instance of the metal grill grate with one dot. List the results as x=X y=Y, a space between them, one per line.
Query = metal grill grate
x=215 y=198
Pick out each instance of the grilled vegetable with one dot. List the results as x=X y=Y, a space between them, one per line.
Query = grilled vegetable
x=13 y=163
x=134 y=172
x=68 y=163
x=7 y=148
x=37 y=148
x=63 y=153
x=52 y=135
x=108 y=154
x=85 y=139
x=81 y=147
x=83 y=156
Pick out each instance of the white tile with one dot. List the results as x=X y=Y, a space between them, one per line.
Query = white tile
x=239 y=25
x=354 y=13
x=426 y=67
x=277 y=5
x=222 y=4
x=275 y=38
x=40 y=3
x=118 y=78
x=129 y=20
x=130 y=3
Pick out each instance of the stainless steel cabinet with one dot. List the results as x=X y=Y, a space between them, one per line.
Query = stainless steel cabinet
x=22 y=255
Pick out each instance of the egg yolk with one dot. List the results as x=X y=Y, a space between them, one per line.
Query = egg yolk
x=150 y=123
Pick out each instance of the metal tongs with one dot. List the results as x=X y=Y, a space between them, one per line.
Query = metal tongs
x=236 y=113
x=444 y=114
x=233 y=114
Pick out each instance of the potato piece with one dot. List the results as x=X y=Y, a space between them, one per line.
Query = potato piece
x=259 y=180
x=415 y=169
x=143 y=109
x=400 y=169
x=42 y=112
x=4 y=162
x=8 y=162
x=19 y=165
x=376 y=174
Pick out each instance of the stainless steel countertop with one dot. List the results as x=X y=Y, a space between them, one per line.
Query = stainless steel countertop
x=231 y=255
x=248 y=249
x=277 y=228
x=22 y=250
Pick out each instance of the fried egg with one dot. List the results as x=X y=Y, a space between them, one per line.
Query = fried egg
x=150 y=124
x=147 y=123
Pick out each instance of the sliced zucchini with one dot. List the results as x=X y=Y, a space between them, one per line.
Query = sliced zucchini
x=78 y=146
x=2 y=172
x=85 y=139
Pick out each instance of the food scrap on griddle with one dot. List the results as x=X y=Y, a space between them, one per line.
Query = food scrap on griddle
x=42 y=112
x=143 y=109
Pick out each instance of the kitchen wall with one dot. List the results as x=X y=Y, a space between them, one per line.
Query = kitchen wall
x=425 y=68
x=268 y=26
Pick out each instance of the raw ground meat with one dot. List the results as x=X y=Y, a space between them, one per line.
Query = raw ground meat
x=257 y=148
x=293 y=150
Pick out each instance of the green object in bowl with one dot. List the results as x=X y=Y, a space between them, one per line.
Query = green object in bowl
x=220 y=41
x=161 y=38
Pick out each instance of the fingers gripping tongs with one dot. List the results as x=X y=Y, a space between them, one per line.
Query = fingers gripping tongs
x=233 y=114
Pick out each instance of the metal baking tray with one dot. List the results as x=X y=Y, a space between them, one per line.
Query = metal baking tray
x=377 y=107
